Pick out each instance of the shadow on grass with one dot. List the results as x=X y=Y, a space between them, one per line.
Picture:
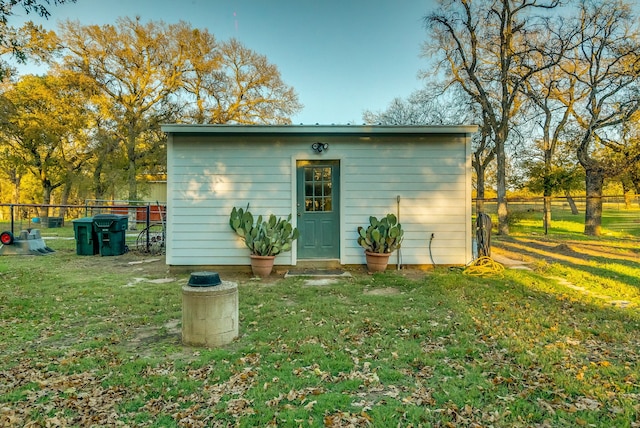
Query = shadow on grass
x=601 y=262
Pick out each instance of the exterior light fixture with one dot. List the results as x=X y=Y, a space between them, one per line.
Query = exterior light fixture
x=319 y=147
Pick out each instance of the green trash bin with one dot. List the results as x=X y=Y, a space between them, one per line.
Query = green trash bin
x=111 y=230
x=86 y=237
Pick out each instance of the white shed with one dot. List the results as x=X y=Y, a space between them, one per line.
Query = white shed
x=331 y=178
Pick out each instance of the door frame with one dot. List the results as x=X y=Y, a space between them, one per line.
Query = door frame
x=294 y=199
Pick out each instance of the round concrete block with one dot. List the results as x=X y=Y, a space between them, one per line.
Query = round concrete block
x=210 y=314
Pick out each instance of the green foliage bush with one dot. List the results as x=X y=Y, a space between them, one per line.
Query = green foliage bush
x=268 y=237
x=382 y=236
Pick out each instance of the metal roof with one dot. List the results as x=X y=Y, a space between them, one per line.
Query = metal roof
x=318 y=129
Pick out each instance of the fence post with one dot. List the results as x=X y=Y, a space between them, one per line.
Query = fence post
x=148 y=224
x=11 y=215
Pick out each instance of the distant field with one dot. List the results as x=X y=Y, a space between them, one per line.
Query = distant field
x=616 y=219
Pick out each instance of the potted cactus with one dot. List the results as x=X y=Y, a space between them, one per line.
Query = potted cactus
x=265 y=238
x=379 y=240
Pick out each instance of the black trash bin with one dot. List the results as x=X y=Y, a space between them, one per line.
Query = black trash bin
x=55 y=222
x=111 y=230
x=86 y=237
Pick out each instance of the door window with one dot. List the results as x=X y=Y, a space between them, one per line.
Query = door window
x=317 y=188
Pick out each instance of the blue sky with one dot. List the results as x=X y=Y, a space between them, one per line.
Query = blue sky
x=341 y=56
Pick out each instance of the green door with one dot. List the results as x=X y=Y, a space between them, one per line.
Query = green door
x=318 y=209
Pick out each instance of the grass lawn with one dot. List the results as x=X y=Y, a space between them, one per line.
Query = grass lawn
x=96 y=341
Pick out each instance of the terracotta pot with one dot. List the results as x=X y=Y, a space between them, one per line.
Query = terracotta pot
x=377 y=262
x=262 y=265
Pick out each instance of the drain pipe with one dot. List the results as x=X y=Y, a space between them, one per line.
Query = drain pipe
x=398 y=252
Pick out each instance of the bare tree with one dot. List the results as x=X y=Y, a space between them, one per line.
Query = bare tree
x=441 y=105
x=483 y=156
x=551 y=116
x=433 y=105
x=630 y=176
x=606 y=67
x=485 y=47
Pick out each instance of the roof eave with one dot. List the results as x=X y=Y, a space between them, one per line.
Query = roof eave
x=318 y=129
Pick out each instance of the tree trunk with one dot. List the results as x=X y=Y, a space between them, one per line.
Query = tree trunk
x=635 y=179
x=46 y=201
x=572 y=203
x=628 y=198
x=546 y=214
x=99 y=187
x=547 y=192
x=131 y=154
x=503 y=225
x=627 y=191
x=16 y=178
x=593 y=213
x=480 y=203
x=133 y=185
x=64 y=198
x=480 y=185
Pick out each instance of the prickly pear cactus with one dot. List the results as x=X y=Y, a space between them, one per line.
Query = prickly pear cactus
x=268 y=237
x=382 y=236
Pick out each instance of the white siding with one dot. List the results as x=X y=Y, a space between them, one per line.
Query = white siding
x=210 y=174
x=430 y=179
x=207 y=181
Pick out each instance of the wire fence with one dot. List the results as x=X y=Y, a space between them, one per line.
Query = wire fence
x=609 y=202
x=147 y=228
x=145 y=220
